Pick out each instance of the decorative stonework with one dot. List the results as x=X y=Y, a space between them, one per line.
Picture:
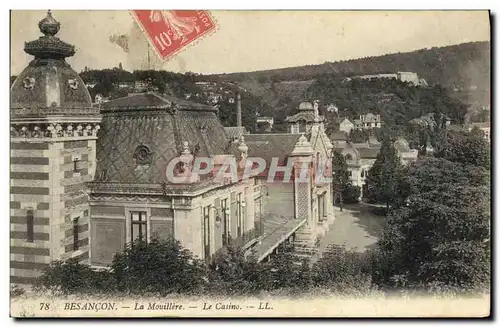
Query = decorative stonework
x=204 y=129
x=302 y=199
x=29 y=83
x=143 y=155
x=53 y=130
x=127 y=198
x=73 y=84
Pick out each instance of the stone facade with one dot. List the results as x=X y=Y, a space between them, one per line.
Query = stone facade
x=53 y=130
x=203 y=221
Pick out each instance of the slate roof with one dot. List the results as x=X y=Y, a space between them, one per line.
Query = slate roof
x=160 y=123
x=267 y=146
x=368 y=153
x=307 y=116
x=234 y=132
x=338 y=136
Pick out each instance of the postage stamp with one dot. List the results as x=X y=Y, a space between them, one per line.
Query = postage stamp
x=170 y=31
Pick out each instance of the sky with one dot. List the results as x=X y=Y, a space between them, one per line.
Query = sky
x=253 y=40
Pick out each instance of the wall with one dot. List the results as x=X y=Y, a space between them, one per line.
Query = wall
x=111 y=222
x=43 y=179
x=280 y=201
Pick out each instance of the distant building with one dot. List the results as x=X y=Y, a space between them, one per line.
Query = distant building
x=140 y=86
x=360 y=157
x=125 y=85
x=408 y=77
x=484 y=127
x=214 y=98
x=346 y=125
x=305 y=118
x=265 y=123
x=368 y=121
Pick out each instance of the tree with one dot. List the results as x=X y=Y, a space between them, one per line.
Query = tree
x=351 y=194
x=358 y=136
x=439 y=241
x=466 y=148
x=340 y=177
x=382 y=183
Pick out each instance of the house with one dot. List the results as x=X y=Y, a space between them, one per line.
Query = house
x=484 y=127
x=214 y=98
x=140 y=86
x=368 y=121
x=346 y=125
x=307 y=116
x=126 y=85
x=360 y=157
x=265 y=124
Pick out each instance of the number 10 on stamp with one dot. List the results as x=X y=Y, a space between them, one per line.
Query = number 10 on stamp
x=169 y=31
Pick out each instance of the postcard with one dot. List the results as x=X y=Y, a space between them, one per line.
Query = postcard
x=204 y=163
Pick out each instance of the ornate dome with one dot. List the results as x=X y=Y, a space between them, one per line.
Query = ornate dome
x=48 y=85
x=306 y=106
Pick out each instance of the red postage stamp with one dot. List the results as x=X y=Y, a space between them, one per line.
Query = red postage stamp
x=169 y=31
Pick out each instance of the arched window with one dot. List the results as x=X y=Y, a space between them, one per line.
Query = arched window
x=348 y=157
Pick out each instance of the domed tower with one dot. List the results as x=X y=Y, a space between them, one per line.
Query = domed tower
x=53 y=137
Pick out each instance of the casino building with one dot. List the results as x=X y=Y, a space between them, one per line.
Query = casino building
x=86 y=180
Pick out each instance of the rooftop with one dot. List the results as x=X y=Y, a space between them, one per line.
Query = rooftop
x=142 y=133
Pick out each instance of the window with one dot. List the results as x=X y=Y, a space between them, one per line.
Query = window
x=348 y=157
x=139 y=226
x=76 y=165
x=362 y=173
x=240 y=215
x=30 y=221
x=350 y=173
x=206 y=232
x=225 y=222
x=75 y=233
x=294 y=129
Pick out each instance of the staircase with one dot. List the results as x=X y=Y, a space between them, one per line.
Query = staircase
x=304 y=244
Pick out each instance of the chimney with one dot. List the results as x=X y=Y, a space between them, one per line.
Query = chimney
x=238 y=109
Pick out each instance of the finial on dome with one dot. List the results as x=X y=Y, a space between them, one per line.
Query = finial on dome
x=49 y=26
x=242 y=147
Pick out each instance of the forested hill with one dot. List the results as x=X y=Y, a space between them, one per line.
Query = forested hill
x=461 y=65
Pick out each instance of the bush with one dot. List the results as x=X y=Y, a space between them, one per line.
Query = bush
x=16 y=291
x=343 y=271
x=72 y=277
x=233 y=273
x=158 y=267
x=351 y=194
x=286 y=271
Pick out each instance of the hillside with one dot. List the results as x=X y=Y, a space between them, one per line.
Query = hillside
x=458 y=65
x=464 y=69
